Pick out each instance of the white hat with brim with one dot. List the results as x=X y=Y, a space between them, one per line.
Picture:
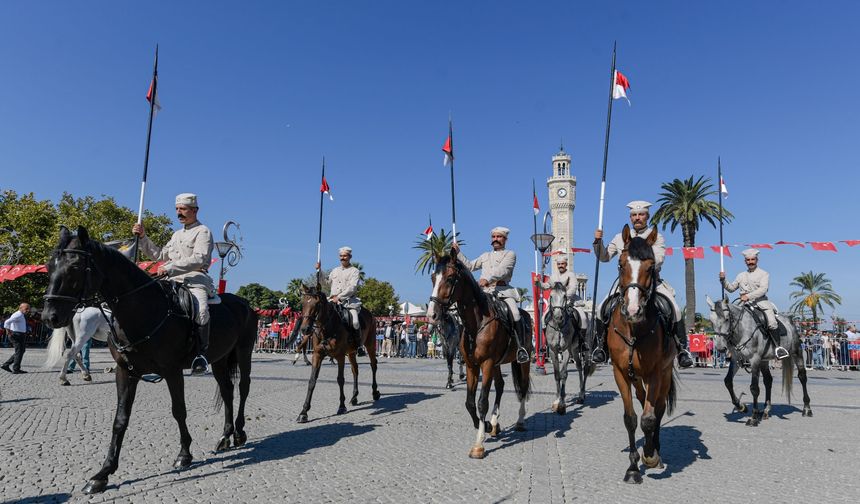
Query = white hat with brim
x=344 y=250
x=500 y=230
x=187 y=199
x=750 y=253
x=638 y=206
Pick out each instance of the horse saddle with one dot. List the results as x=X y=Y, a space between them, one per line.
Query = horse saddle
x=663 y=304
x=504 y=312
x=180 y=299
x=346 y=315
x=761 y=321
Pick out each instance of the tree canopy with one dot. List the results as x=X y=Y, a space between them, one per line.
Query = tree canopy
x=260 y=296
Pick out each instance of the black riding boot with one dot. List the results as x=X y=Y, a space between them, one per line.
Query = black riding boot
x=598 y=356
x=200 y=364
x=522 y=354
x=685 y=360
x=780 y=351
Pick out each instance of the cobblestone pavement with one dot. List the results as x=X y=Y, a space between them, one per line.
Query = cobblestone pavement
x=412 y=444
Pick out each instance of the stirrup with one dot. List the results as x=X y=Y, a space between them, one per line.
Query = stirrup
x=200 y=366
x=522 y=355
x=682 y=362
x=598 y=356
x=781 y=353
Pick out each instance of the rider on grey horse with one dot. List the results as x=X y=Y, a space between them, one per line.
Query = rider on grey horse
x=344 y=285
x=187 y=257
x=497 y=268
x=639 y=222
x=754 y=283
x=566 y=278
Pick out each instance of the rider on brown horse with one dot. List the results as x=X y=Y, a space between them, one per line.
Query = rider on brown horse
x=344 y=285
x=497 y=268
x=639 y=221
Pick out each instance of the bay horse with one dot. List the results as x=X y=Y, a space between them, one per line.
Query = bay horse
x=330 y=337
x=736 y=328
x=564 y=333
x=154 y=336
x=87 y=323
x=487 y=343
x=642 y=350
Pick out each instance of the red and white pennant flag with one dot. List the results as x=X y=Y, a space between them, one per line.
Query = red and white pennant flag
x=157 y=105
x=428 y=233
x=723 y=188
x=619 y=89
x=448 y=149
x=325 y=189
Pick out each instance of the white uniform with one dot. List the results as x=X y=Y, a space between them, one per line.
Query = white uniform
x=188 y=255
x=605 y=254
x=344 y=285
x=497 y=268
x=569 y=281
x=755 y=284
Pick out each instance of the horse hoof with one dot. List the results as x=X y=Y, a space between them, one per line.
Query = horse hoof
x=376 y=395
x=303 y=418
x=752 y=422
x=449 y=385
x=87 y=377
x=579 y=400
x=239 y=439
x=477 y=452
x=652 y=462
x=341 y=410
x=95 y=486
x=742 y=408
x=223 y=444
x=520 y=427
x=353 y=401
x=561 y=410
x=633 y=476
x=65 y=383
x=494 y=430
x=182 y=461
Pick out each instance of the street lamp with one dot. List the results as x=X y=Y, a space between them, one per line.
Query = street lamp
x=229 y=251
x=543 y=242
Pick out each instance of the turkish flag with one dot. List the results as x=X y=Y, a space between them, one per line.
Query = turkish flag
x=761 y=245
x=823 y=246
x=698 y=343
x=693 y=252
x=790 y=243
x=726 y=251
x=3 y=270
x=580 y=250
x=850 y=243
x=670 y=251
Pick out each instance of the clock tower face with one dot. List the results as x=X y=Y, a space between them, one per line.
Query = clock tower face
x=561 y=192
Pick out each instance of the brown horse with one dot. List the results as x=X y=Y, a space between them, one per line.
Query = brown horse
x=487 y=343
x=642 y=350
x=330 y=337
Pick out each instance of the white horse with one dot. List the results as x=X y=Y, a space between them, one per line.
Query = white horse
x=87 y=323
x=565 y=333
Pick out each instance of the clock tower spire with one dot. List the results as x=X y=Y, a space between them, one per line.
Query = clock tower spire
x=562 y=200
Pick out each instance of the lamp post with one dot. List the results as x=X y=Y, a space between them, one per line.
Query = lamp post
x=229 y=251
x=543 y=241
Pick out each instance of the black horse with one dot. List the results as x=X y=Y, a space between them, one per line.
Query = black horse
x=156 y=337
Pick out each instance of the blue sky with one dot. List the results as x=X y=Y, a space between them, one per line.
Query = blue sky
x=255 y=95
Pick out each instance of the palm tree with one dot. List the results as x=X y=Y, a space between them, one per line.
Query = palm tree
x=524 y=295
x=815 y=291
x=437 y=246
x=685 y=203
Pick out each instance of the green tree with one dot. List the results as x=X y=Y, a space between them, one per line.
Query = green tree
x=685 y=203
x=377 y=296
x=260 y=296
x=815 y=291
x=294 y=293
x=36 y=224
x=437 y=246
x=525 y=295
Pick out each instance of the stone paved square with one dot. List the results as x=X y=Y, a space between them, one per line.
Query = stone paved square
x=412 y=445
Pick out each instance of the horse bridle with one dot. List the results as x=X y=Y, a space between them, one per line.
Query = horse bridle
x=452 y=281
x=648 y=292
x=740 y=346
x=95 y=299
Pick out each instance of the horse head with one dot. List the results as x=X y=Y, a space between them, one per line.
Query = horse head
x=445 y=278
x=558 y=303
x=720 y=317
x=313 y=307
x=637 y=274
x=73 y=277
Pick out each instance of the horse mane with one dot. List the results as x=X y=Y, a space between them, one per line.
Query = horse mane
x=115 y=258
x=480 y=297
x=639 y=249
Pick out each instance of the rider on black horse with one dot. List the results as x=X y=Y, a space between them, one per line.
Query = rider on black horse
x=497 y=268
x=187 y=257
x=753 y=284
x=344 y=281
x=639 y=222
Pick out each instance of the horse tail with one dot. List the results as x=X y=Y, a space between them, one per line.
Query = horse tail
x=787 y=377
x=56 y=347
x=672 y=398
x=522 y=385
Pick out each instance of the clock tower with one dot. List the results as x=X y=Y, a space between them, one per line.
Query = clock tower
x=562 y=200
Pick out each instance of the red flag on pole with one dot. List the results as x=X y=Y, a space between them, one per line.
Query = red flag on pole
x=448 y=150
x=619 y=90
x=149 y=93
x=325 y=189
x=726 y=251
x=823 y=246
x=428 y=232
x=535 y=205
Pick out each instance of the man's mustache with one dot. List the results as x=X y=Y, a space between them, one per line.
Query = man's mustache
x=496 y=242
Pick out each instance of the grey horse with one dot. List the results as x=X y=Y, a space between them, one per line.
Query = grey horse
x=564 y=334
x=451 y=330
x=738 y=331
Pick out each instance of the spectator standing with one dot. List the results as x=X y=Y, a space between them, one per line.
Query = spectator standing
x=386 y=343
x=404 y=342
x=16 y=328
x=412 y=338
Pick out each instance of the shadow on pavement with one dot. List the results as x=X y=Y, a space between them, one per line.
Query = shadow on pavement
x=681 y=445
x=391 y=403
x=22 y=399
x=56 y=497
x=291 y=443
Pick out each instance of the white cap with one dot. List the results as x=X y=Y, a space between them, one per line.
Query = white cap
x=344 y=250
x=187 y=199
x=750 y=253
x=500 y=230
x=562 y=257
x=638 y=206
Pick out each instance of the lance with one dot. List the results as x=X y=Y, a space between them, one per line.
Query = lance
x=323 y=189
x=534 y=222
x=153 y=93
x=599 y=345
x=449 y=150
x=720 y=192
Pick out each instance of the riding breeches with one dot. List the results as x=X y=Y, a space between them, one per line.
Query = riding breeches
x=201 y=298
x=769 y=312
x=663 y=288
x=512 y=305
x=583 y=321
